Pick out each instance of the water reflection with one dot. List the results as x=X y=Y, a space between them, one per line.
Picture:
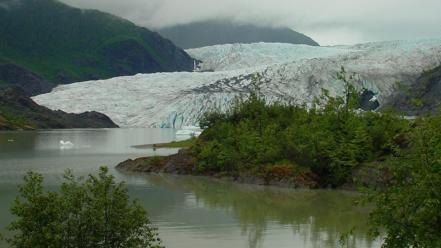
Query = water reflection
x=315 y=218
x=190 y=212
x=40 y=150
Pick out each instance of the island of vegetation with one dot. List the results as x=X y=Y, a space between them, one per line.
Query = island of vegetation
x=395 y=161
x=330 y=144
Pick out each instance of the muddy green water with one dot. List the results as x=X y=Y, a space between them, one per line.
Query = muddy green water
x=189 y=211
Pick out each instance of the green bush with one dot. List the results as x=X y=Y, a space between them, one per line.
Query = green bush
x=407 y=211
x=330 y=139
x=95 y=212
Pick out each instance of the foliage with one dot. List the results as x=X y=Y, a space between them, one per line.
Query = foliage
x=408 y=209
x=92 y=212
x=64 y=44
x=330 y=139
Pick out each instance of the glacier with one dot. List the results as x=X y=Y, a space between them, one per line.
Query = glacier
x=295 y=73
x=241 y=56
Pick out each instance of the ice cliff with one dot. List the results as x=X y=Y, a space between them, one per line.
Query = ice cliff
x=289 y=72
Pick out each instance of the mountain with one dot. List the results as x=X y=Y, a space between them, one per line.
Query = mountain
x=57 y=43
x=294 y=73
x=29 y=82
x=18 y=111
x=216 y=32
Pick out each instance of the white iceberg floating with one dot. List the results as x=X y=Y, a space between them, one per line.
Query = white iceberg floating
x=66 y=144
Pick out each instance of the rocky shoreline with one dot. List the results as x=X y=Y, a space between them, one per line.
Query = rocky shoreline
x=180 y=163
x=19 y=112
x=183 y=163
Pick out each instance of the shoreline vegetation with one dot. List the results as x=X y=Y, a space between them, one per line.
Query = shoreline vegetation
x=330 y=145
x=92 y=211
x=183 y=162
x=394 y=161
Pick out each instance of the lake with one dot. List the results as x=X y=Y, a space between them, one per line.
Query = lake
x=189 y=211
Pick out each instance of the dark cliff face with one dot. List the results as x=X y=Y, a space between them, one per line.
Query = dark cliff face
x=422 y=97
x=208 y=33
x=29 y=82
x=18 y=111
x=62 y=44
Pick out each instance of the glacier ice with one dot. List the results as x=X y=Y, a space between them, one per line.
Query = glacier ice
x=241 y=56
x=289 y=72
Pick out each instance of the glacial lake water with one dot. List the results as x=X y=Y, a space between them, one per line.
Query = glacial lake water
x=189 y=211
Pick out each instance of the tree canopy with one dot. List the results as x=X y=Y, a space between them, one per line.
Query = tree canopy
x=325 y=141
x=91 y=212
x=407 y=210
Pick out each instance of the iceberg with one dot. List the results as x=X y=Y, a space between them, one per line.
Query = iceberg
x=66 y=145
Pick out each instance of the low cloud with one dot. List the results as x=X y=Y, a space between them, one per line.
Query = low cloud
x=328 y=22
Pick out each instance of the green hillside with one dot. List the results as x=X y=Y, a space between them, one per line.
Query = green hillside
x=62 y=44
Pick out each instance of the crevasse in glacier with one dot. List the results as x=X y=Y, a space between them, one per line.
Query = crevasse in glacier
x=289 y=72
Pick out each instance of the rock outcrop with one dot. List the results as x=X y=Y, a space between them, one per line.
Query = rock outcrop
x=180 y=163
x=421 y=97
x=29 y=82
x=18 y=111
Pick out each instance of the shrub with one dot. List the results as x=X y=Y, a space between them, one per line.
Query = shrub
x=407 y=210
x=95 y=212
x=331 y=138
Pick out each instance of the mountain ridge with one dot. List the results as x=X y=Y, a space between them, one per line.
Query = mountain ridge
x=218 y=32
x=62 y=44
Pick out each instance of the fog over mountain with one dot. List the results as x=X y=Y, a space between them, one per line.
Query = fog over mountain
x=208 y=33
x=327 y=22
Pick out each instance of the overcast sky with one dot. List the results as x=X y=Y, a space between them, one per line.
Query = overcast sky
x=329 y=22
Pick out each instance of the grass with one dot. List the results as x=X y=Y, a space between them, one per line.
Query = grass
x=173 y=144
